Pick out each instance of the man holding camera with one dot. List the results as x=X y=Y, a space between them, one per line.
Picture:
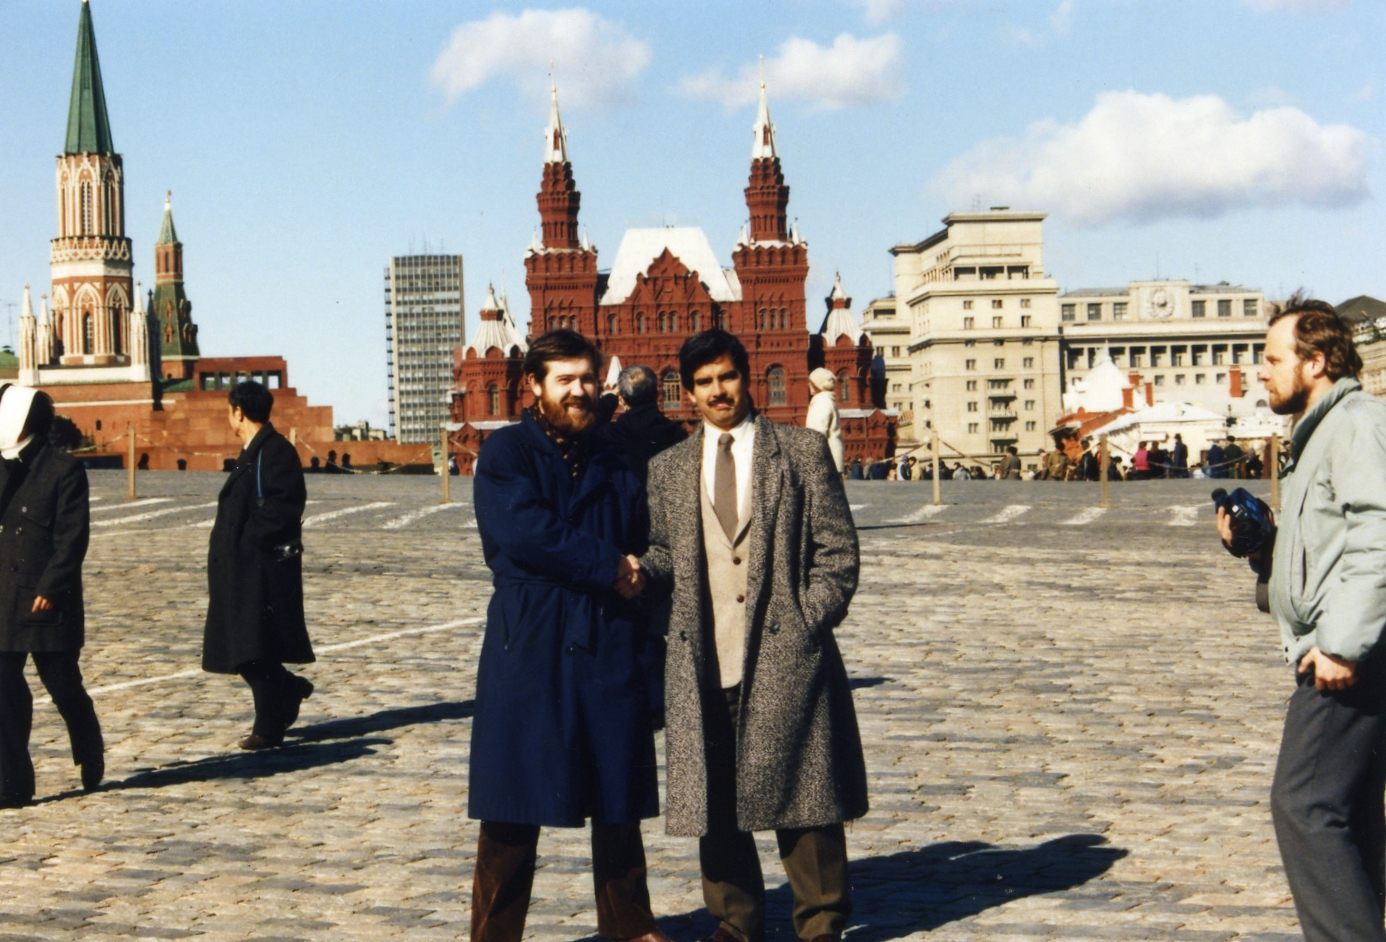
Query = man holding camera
x=1327 y=592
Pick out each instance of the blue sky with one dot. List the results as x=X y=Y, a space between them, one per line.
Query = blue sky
x=305 y=143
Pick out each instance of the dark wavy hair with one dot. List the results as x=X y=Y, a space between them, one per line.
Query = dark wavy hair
x=254 y=400
x=701 y=349
x=1319 y=329
x=561 y=344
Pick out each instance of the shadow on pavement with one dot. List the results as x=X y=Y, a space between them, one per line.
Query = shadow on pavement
x=306 y=747
x=383 y=721
x=920 y=890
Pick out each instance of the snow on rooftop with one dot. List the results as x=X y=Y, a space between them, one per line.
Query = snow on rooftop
x=640 y=247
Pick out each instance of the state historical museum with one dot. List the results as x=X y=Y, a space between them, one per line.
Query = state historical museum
x=665 y=285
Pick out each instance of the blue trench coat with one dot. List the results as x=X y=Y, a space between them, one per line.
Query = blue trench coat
x=562 y=727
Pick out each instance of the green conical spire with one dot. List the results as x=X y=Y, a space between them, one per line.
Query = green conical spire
x=167 y=234
x=88 y=128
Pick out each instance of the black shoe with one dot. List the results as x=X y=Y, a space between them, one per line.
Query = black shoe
x=300 y=689
x=16 y=801
x=93 y=771
x=255 y=742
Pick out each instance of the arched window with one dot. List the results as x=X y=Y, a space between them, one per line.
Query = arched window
x=117 y=329
x=673 y=323
x=720 y=319
x=777 y=390
x=673 y=389
x=88 y=333
x=86 y=207
x=694 y=321
x=784 y=318
x=663 y=322
x=844 y=392
x=611 y=325
x=760 y=319
x=495 y=399
x=640 y=323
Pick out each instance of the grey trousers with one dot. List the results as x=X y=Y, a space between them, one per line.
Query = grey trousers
x=1328 y=806
x=815 y=859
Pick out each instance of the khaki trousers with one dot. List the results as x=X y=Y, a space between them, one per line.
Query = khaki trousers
x=504 y=877
x=815 y=859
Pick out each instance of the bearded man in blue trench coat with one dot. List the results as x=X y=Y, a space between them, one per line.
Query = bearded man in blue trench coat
x=562 y=729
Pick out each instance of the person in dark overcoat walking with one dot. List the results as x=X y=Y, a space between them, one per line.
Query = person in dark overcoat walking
x=750 y=529
x=561 y=731
x=640 y=433
x=44 y=528
x=255 y=570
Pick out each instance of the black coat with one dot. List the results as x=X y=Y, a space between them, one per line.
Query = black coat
x=641 y=433
x=255 y=609
x=43 y=539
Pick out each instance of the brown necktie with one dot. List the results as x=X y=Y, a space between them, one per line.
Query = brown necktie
x=724 y=486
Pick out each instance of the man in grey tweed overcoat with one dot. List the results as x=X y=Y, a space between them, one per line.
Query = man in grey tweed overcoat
x=750 y=529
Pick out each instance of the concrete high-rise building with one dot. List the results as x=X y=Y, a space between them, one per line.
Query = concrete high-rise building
x=984 y=335
x=423 y=324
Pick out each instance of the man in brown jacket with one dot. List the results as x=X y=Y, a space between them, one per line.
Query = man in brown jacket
x=749 y=527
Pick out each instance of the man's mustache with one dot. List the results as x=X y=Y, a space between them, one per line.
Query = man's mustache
x=582 y=402
x=721 y=401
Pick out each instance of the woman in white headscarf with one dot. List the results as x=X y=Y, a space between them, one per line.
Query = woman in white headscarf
x=822 y=413
x=44 y=526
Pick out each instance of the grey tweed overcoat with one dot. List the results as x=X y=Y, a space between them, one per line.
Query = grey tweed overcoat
x=799 y=756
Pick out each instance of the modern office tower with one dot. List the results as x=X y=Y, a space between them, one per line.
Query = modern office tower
x=423 y=324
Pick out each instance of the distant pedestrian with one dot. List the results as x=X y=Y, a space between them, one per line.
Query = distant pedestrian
x=453 y=470
x=1140 y=463
x=1056 y=465
x=314 y=465
x=44 y=527
x=822 y=412
x=255 y=620
x=1216 y=463
x=855 y=472
x=960 y=473
x=880 y=471
x=1159 y=461
x=642 y=431
x=1234 y=457
x=1254 y=465
x=762 y=732
x=910 y=471
x=346 y=464
x=1179 y=458
x=1010 y=465
x=1089 y=468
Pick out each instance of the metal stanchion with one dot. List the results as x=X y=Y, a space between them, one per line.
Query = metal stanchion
x=130 y=463
x=1105 y=464
x=447 y=472
x=1275 y=472
x=938 y=468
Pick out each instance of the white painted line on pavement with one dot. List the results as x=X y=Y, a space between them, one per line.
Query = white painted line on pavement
x=334 y=514
x=1008 y=513
x=927 y=512
x=1085 y=517
x=95 y=499
x=133 y=504
x=400 y=523
x=857 y=506
x=1184 y=516
x=326 y=649
x=150 y=515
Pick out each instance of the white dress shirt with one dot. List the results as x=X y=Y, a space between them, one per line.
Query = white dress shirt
x=743 y=444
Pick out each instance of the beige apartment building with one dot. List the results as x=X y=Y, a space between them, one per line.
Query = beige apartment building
x=983 y=321
x=1198 y=344
x=890 y=337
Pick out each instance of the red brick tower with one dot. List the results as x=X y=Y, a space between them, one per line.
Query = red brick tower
x=772 y=266
x=845 y=350
x=560 y=271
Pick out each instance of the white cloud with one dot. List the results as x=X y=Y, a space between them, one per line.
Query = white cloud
x=1144 y=157
x=1297 y=6
x=849 y=72
x=594 y=58
x=878 y=11
x=1060 y=22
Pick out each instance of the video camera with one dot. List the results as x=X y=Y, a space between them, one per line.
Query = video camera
x=1252 y=526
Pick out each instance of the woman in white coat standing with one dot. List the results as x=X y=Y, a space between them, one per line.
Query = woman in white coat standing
x=822 y=413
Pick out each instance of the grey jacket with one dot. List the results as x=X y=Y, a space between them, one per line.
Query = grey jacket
x=1328 y=575
x=799 y=755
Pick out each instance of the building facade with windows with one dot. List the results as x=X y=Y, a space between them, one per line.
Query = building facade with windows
x=983 y=346
x=665 y=285
x=892 y=371
x=424 y=323
x=1198 y=344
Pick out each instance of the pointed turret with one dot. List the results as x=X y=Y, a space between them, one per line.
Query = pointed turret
x=558 y=195
x=88 y=127
x=43 y=344
x=167 y=234
x=169 y=305
x=28 y=343
x=767 y=197
x=840 y=322
x=138 y=332
x=497 y=331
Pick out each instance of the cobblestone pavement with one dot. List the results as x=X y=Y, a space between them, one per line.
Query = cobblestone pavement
x=1071 y=719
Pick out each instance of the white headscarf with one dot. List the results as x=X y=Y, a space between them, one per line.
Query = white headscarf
x=823 y=380
x=15 y=401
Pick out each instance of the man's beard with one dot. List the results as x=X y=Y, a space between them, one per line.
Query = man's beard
x=566 y=421
x=1296 y=402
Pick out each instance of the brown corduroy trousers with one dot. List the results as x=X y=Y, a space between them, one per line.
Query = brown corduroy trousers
x=504 y=876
